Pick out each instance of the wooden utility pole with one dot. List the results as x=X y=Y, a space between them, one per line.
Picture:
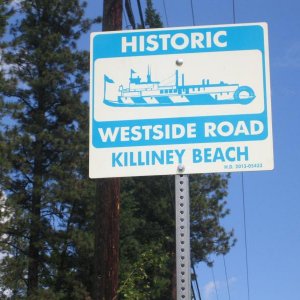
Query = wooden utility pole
x=112 y=15
x=107 y=239
x=107 y=219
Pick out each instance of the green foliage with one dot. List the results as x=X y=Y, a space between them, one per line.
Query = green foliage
x=148 y=226
x=5 y=14
x=147 y=237
x=137 y=282
x=153 y=19
x=208 y=207
x=49 y=235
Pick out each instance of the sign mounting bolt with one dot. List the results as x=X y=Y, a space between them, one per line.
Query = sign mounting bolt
x=179 y=61
x=180 y=168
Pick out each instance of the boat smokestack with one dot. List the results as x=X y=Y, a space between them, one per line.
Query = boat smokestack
x=182 y=79
x=149 y=75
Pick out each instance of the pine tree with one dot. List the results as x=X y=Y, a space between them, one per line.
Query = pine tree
x=153 y=19
x=49 y=239
x=208 y=208
x=147 y=237
x=5 y=13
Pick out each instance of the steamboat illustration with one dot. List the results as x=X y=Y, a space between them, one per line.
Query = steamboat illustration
x=149 y=93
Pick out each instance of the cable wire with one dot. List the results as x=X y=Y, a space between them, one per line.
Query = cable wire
x=225 y=267
x=193 y=292
x=243 y=196
x=166 y=15
x=233 y=11
x=130 y=14
x=141 y=14
x=125 y=19
x=214 y=280
x=245 y=235
x=196 y=280
x=193 y=15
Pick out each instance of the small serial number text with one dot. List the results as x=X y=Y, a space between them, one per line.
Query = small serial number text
x=243 y=166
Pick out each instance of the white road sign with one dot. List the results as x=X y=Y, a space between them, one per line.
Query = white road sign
x=198 y=97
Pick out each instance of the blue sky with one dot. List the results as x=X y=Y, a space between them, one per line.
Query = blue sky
x=271 y=197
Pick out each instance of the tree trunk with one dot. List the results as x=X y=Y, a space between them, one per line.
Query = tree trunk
x=34 y=239
x=107 y=220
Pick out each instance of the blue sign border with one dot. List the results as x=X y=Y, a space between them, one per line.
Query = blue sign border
x=239 y=37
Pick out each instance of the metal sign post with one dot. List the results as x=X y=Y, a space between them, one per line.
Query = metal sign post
x=183 y=261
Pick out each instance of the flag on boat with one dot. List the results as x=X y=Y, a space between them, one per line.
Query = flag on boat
x=107 y=79
x=132 y=72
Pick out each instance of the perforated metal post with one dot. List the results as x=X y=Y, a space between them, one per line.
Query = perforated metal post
x=183 y=261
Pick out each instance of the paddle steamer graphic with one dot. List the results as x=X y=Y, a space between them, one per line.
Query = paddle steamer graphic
x=149 y=93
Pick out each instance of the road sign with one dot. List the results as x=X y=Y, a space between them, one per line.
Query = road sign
x=198 y=97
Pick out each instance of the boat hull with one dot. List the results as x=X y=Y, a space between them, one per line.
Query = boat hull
x=183 y=100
